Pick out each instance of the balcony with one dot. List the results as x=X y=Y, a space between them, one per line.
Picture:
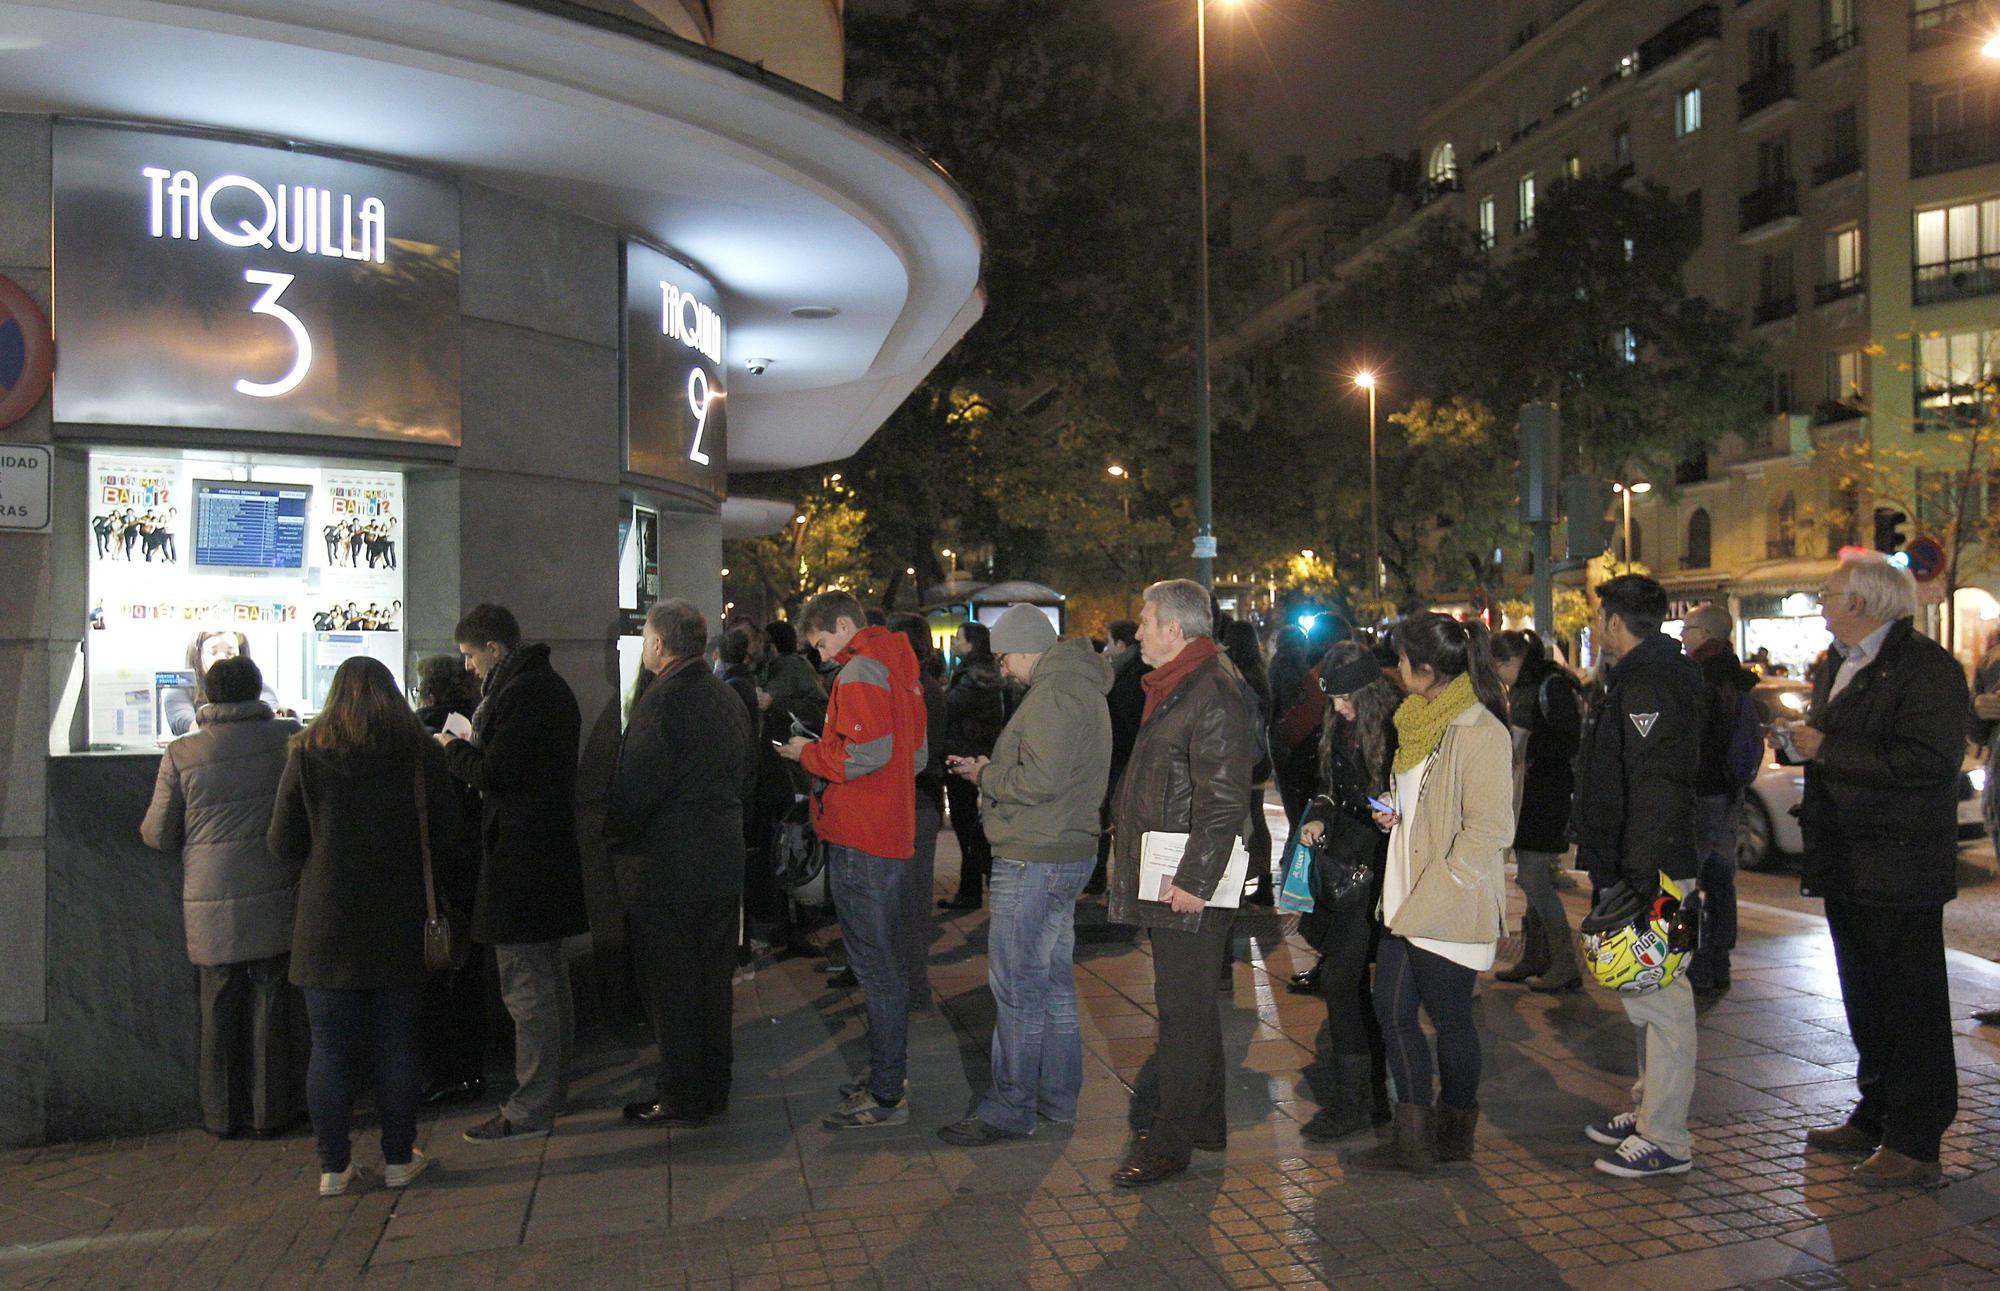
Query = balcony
x=1954 y=20
x=1773 y=202
x=1621 y=172
x=1524 y=224
x=1837 y=166
x=1956 y=279
x=1834 y=46
x=1679 y=36
x=1766 y=89
x=1436 y=187
x=1828 y=292
x=1947 y=150
x=1832 y=412
x=1773 y=310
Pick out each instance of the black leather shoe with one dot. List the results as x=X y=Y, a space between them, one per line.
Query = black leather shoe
x=973 y=1132
x=1143 y=1168
x=663 y=1114
x=1305 y=982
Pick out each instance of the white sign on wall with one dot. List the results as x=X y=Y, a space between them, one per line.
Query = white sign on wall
x=24 y=488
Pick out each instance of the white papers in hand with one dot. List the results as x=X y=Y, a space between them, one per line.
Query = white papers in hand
x=455 y=724
x=1160 y=859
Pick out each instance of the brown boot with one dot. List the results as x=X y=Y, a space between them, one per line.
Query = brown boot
x=1534 y=958
x=1563 y=971
x=1414 y=1147
x=1454 y=1132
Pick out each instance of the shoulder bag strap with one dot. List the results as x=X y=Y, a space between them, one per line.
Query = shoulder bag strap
x=424 y=837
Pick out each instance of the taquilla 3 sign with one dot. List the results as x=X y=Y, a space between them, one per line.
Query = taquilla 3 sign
x=207 y=282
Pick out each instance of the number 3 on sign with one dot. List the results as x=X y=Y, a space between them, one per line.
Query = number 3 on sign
x=274 y=285
x=700 y=399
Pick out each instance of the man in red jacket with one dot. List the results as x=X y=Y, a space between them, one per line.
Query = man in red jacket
x=866 y=761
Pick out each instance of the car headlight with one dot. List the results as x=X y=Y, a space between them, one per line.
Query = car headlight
x=1794 y=700
x=1978 y=777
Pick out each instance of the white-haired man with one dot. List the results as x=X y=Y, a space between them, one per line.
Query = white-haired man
x=1882 y=749
x=1189 y=774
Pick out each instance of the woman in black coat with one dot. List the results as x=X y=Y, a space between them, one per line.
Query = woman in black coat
x=1546 y=713
x=348 y=812
x=454 y=1019
x=1356 y=751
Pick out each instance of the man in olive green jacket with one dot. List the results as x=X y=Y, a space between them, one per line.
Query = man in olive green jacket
x=1038 y=797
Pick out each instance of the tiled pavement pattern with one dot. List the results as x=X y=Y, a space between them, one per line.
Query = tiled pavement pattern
x=770 y=1200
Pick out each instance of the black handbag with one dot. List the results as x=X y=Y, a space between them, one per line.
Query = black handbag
x=445 y=948
x=1344 y=862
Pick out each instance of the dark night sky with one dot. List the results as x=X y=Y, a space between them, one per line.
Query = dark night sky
x=1329 y=78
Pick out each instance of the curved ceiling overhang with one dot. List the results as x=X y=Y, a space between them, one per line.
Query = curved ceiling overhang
x=784 y=198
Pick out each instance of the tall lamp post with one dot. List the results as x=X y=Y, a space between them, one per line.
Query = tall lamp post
x=1204 y=505
x=1366 y=380
x=1625 y=491
x=1124 y=478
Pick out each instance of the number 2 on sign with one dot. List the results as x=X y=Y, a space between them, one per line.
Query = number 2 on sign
x=700 y=399
x=274 y=285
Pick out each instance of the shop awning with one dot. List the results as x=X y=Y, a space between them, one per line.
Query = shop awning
x=846 y=258
x=1782 y=576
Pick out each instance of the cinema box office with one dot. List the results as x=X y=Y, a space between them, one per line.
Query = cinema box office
x=260 y=425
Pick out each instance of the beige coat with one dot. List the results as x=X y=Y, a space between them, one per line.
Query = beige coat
x=1459 y=833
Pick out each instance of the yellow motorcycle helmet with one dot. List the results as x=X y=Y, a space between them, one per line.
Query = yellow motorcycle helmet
x=1636 y=946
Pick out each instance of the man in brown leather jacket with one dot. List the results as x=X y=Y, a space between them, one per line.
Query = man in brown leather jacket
x=1189 y=773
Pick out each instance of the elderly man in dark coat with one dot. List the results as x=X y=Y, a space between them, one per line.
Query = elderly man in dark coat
x=675 y=822
x=1882 y=748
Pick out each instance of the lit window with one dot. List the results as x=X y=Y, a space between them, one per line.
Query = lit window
x=1525 y=201
x=1488 y=224
x=1687 y=112
x=1843 y=255
x=1843 y=376
x=1952 y=369
x=1625 y=342
x=1573 y=166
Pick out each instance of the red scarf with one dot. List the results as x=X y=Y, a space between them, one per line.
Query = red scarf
x=1166 y=679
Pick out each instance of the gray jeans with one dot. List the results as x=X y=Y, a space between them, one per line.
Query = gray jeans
x=1664 y=1020
x=534 y=985
x=246 y=1046
x=1534 y=875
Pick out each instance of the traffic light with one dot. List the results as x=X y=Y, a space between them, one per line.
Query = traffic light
x=1889 y=535
x=1541 y=459
x=1589 y=531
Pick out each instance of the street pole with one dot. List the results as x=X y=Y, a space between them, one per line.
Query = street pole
x=1625 y=552
x=1204 y=541
x=1374 y=505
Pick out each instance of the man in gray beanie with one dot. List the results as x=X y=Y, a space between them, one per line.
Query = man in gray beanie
x=1038 y=796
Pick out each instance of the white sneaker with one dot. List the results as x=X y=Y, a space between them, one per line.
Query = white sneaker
x=335 y=1185
x=402 y=1176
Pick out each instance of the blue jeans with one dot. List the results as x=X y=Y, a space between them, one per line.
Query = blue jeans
x=1030 y=962
x=1408 y=978
x=868 y=897
x=348 y=1028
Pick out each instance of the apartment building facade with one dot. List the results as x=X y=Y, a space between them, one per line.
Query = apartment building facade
x=1844 y=156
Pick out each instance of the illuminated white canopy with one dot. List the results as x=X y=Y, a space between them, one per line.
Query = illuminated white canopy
x=784 y=198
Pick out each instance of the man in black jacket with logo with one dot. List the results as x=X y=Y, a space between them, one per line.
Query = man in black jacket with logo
x=521 y=757
x=1880 y=816
x=1635 y=821
x=675 y=821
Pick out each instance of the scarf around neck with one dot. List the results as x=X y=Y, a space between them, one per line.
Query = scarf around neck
x=1421 y=720
x=1165 y=679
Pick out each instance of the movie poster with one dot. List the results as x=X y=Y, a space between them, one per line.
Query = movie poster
x=358 y=530
x=136 y=509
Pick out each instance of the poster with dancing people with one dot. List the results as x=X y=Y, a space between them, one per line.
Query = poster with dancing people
x=357 y=523
x=135 y=510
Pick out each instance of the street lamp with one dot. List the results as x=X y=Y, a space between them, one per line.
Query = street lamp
x=1123 y=476
x=1365 y=378
x=951 y=556
x=1204 y=509
x=1992 y=47
x=1626 y=491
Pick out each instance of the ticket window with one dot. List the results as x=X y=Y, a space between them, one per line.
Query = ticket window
x=194 y=555
x=638 y=588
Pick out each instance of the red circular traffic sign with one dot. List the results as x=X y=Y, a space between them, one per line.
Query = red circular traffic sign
x=27 y=352
x=1926 y=557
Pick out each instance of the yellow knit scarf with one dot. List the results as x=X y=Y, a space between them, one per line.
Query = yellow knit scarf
x=1421 y=720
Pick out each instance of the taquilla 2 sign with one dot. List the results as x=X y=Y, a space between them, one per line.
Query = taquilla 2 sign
x=676 y=395
x=206 y=282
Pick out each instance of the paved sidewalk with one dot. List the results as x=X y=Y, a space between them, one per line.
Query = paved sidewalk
x=770 y=1200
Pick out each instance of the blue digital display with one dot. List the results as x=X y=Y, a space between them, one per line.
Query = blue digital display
x=250 y=526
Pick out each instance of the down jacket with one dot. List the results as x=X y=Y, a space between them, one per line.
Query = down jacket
x=212 y=800
x=675 y=817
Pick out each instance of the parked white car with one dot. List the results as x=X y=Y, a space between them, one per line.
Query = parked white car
x=1769 y=837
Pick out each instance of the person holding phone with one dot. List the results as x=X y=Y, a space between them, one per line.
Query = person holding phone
x=1349 y=1074
x=1445 y=882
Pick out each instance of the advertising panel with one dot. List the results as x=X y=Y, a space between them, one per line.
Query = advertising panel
x=206 y=283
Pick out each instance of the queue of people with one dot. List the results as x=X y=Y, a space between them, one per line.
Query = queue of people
x=339 y=858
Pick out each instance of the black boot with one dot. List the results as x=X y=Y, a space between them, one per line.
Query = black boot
x=1414 y=1147
x=1454 y=1132
x=1351 y=1109
x=1534 y=959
